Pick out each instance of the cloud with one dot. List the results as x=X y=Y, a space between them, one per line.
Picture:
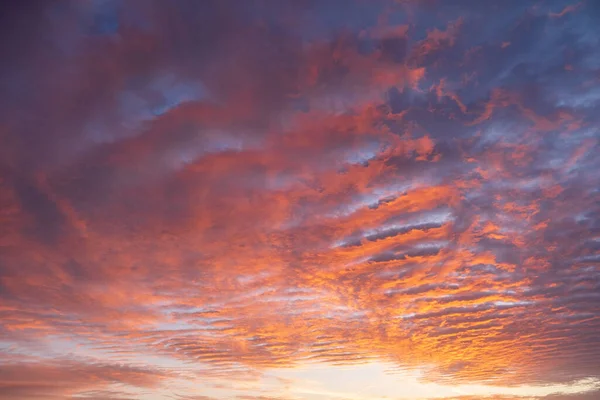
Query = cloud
x=67 y=378
x=238 y=188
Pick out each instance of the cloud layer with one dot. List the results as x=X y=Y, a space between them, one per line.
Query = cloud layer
x=199 y=192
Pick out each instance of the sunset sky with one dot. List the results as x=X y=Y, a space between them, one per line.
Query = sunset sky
x=300 y=200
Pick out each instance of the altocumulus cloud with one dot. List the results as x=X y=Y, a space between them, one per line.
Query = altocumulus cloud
x=198 y=198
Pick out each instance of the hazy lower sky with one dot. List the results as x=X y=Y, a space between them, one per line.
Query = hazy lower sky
x=304 y=199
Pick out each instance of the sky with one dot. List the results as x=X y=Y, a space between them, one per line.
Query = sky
x=307 y=199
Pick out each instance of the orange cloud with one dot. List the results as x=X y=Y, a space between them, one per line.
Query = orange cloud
x=216 y=193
